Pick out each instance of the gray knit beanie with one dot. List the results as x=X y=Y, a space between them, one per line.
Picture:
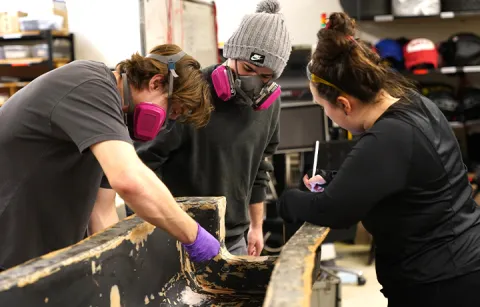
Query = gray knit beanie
x=261 y=39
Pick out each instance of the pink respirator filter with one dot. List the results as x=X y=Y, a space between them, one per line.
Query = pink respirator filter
x=148 y=120
x=270 y=99
x=221 y=83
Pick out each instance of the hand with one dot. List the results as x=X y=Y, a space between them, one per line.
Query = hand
x=255 y=241
x=204 y=248
x=314 y=184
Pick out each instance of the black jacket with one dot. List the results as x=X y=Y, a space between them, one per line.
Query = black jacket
x=225 y=158
x=406 y=181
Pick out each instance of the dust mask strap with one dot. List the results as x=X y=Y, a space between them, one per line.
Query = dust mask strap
x=170 y=60
x=127 y=95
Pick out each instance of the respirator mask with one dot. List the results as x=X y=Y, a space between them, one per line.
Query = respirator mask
x=227 y=84
x=145 y=119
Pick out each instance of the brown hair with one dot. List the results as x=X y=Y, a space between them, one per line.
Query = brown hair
x=190 y=90
x=351 y=65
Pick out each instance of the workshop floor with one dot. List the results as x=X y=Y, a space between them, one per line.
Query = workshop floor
x=368 y=295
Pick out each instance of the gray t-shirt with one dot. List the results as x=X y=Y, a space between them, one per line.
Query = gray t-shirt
x=49 y=178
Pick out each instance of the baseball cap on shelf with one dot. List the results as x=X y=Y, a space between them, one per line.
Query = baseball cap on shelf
x=420 y=53
x=461 y=49
x=443 y=95
x=471 y=103
x=391 y=53
x=389 y=48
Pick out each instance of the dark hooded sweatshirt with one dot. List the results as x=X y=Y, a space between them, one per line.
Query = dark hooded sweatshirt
x=225 y=158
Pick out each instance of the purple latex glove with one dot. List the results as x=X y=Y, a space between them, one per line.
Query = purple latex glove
x=204 y=248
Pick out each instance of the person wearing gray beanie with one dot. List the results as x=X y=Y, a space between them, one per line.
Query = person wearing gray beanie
x=228 y=156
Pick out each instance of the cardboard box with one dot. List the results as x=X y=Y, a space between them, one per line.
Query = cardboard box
x=9 y=22
x=64 y=14
x=60 y=9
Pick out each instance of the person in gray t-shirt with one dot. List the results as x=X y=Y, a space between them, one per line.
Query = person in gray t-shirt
x=65 y=129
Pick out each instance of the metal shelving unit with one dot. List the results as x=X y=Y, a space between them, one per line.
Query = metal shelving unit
x=38 y=65
x=441 y=16
x=378 y=19
x=448 y=70
x=47 y=36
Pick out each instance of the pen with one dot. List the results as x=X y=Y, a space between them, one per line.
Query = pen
x=315 y=158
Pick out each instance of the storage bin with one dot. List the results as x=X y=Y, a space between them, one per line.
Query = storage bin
x=366 y=8
x=9 y=22
x=416 y=7
x=61 y=49
x=460 y=5
x=52 y=22
x=40 y=51
x=326 y=292
x=16 y=51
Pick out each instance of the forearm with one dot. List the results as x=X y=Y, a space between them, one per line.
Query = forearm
x=256 y=215
x=320 y=209
x=141 y=189
x=152 y=201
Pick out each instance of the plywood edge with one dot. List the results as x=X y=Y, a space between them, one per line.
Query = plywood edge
x=132 y=229
x=291 y=281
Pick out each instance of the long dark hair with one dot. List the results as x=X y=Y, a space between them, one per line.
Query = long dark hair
x=351 y=65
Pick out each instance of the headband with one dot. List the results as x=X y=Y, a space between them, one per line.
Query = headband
x=316 y=79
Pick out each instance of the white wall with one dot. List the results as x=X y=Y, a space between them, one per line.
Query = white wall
x=109 y=30
x=303 y=21
x=105 y=30
x=303 y=17
x=27 y=6
x=119 y=36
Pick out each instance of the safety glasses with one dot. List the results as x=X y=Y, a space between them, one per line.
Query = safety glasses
x=316 y=79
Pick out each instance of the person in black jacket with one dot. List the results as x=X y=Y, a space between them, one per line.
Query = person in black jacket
x=404 y=178
x=227 y=157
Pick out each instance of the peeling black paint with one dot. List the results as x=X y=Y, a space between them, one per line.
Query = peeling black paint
x=135 y=264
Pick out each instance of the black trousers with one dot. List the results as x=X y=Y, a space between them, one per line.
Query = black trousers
x=462 y=291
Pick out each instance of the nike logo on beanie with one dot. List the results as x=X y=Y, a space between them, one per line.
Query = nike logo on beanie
x=257 y=58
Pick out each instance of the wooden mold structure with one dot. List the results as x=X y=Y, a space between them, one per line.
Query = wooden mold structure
x=297 y=269
x=134 y=264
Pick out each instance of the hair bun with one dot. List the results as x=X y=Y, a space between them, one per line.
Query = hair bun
x=268 y=6
x=341 y=22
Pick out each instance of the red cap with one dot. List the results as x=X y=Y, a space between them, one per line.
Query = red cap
x=420 y=51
